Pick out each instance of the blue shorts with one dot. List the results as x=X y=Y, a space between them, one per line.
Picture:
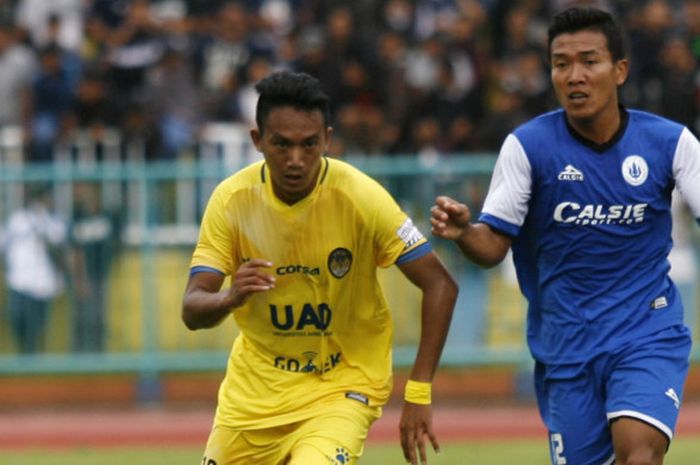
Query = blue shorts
x=642 y=380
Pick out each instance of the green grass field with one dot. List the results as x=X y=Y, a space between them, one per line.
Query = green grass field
x=685 y=451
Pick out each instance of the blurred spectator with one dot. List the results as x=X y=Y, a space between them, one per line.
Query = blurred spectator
x=135 y=45
x=524 y=73
x=433 y=17
x=228 y=47
x=94 y=109
x=315 y=59
x=141 y=137
x=505 y=113
x=451 y=100
x=680 y=83
x=173 y=96
x=398 y=16
x=93 y=51
x=343 y=50
x=94 y=239
x=71 y=62
x=423 y=65
x=18 y=66
x=247 y=96
x=51 y=103
x=54 y=21
x=361 y=130
x=94 y=116
x=342 y=40
x=428 y=139
x=691 y=26
x=391 y=75
x=7 y=12
x=110 y=13
x=34 y=245
x=650 y=24
x=519 y=26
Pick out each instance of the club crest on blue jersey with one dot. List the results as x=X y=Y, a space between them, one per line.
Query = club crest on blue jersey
x=635 y=170
x=339 y=262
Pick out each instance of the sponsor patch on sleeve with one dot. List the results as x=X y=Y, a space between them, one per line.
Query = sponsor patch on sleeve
x=408 y=233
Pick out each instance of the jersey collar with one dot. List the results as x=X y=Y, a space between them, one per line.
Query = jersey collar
x=600 y=148
x=264 y=176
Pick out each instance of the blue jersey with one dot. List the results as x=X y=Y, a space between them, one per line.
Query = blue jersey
x=592 y=229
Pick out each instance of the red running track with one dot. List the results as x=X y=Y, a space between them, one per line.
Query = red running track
x=190 y=427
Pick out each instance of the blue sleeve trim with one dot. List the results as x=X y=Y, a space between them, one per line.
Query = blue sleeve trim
x=413 y=254
x=199 y=269
x=500 y=225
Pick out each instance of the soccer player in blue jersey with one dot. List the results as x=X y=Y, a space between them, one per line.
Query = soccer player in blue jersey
x=302 y=237
x=582 y=195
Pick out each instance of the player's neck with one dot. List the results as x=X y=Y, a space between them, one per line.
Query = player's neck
x=600 y=128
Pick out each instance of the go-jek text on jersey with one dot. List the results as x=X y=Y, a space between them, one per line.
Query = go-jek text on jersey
x=592 y=229
x=325 y=329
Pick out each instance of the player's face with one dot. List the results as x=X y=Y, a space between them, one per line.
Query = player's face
x=584 y=75
x=293 y=142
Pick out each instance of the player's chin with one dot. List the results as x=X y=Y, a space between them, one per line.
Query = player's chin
x=579 y=110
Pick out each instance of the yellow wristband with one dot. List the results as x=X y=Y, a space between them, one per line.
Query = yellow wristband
x=417 y=392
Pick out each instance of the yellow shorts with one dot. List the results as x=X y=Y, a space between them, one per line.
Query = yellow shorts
x=336 y=437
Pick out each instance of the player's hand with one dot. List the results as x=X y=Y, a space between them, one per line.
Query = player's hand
x=449 y=218
x=251 y=277
x=417 y=423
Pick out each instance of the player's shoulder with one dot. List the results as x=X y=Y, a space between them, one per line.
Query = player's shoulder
x=350 y=185
x=346 y=176
x=244 y=178
x=646 y=123
x=542 y=125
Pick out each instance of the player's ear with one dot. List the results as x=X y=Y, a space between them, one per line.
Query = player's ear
x=621 y=71
x=329 y=138
x=256 y=137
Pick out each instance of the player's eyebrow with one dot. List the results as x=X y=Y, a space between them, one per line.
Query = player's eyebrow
x=584 y=53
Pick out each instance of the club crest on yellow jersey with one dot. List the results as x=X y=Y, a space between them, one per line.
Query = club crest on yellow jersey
x=339 y=262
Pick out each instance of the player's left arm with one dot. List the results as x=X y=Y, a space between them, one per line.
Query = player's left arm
x=686 y=171
x=439 y=293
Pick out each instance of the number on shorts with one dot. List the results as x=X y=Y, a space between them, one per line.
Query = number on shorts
x=557 y=449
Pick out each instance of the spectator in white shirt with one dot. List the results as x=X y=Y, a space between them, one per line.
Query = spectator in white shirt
x=34 y=245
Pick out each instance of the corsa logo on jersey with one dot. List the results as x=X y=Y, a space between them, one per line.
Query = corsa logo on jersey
x=574 y=213
x=291 y=269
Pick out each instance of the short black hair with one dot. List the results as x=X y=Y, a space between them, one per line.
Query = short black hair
x=287 y=89
x=579 y=18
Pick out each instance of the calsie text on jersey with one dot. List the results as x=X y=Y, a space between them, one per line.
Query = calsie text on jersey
x=572 y=212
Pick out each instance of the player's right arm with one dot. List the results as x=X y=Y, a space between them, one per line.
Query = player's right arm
x=486 y=243
x=205 y=305
x=478 y=241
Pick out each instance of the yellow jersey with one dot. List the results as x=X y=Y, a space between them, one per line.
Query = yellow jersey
x=324 y=331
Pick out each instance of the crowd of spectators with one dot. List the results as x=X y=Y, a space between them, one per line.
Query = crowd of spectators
x=404 y=76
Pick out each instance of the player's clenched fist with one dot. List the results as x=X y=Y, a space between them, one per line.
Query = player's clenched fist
x=252 y=276
x=449 y=218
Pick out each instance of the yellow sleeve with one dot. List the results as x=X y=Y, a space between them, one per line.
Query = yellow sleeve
x=395 y=233
x=215 y=245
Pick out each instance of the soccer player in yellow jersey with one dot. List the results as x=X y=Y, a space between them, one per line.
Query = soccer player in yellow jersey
x=302 y=236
